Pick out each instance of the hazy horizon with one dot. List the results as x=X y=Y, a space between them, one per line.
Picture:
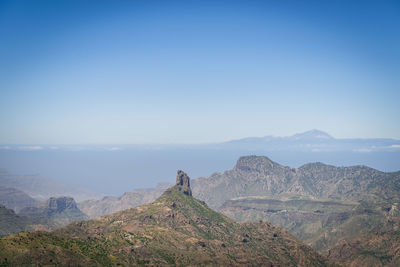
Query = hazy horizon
x=37 y=146
x=114 y=169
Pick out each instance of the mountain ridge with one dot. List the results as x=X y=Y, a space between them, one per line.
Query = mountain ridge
x=176 y=229
x=258 y=175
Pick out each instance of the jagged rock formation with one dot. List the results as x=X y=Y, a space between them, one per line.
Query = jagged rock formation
x=183 y=183
x=51 y=206
x=48 y=215
x=53 y=213
x=59 y=204
x=15 y=199
x=175 y=230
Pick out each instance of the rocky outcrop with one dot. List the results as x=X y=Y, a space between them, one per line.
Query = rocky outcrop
x=54 y=212
x=255 y=163
x=53 y=205
x=60 y=204
x=183 y=183
x=46 y=216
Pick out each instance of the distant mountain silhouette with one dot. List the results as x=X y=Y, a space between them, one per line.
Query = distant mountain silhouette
x=312 y=134
x=313 y=141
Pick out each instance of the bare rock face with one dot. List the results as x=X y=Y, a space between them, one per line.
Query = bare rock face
x=54 y=206
x=59 y=204
x=183 y=183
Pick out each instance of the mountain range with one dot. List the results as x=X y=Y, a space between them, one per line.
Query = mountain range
x=315 y=140
x=322 y=205
x=260 y=176
x=174 y=230
x=349 y=214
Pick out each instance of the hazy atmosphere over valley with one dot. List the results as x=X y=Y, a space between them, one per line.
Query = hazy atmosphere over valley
x=199 y=133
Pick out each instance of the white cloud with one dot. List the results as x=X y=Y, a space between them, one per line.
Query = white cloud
x=115 y=148
x=362 y=150
x=395 y=146
x=30 y=148
x=5 y=147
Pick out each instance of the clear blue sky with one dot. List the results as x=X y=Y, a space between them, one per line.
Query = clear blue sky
x=197 y=71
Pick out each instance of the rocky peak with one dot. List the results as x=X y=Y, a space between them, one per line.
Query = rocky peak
x=59 y=204
x=312 y=135
x=183 y=183
x=255 y=163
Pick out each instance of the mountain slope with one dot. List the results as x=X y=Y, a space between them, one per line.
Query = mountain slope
x=10 y=222
x=319 y=223
x=176 y=229
x=373 y=249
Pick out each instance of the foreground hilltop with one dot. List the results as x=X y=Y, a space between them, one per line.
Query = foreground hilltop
x=176 y=229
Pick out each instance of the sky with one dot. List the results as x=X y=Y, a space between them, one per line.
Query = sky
x=135 y=72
